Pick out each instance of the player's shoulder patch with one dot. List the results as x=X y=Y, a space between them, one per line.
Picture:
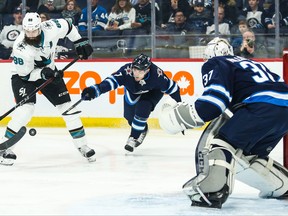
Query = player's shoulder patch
x=47 y=25
x=159 y=72
x=128 y=69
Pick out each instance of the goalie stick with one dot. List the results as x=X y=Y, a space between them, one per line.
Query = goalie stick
x=13 y=140
x=35 y=91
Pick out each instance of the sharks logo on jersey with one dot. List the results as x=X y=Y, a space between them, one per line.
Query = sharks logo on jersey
x=43 y=62
x=21 y=46
x=47 y=25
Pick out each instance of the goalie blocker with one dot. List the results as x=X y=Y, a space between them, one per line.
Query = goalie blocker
x=218 y=163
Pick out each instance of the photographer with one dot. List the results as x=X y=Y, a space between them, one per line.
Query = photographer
x=250 y=48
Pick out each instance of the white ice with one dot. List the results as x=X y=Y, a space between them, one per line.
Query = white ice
x=50 y=177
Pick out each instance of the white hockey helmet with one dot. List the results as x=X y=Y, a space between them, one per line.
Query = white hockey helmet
x=31 y=22
x=217 y=47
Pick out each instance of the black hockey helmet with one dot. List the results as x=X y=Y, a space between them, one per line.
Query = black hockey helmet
x=141 y=62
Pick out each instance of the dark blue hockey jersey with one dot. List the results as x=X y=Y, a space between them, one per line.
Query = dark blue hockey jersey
x=154 y=79
x=232 y=80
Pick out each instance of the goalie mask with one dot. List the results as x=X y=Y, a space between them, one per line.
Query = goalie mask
x=31 y=25
x=217 y=47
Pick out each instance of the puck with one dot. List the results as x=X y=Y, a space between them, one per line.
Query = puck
x=32 y=132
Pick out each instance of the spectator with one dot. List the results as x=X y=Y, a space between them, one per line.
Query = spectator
x=72 y=12
x=9 y=34
x=200 y=19
x=168 y=9
x=250 y=48
x=283 y=9
x=121 y=16
x=179 y=29
x=44 y=17
x=141 y=26
x=143 y=17
x=241 y=4
x=99 y=17
x=237 y=38
x=224 y=24
x=255 y=15
x=51 y=6
x=31 y=5
x=230 y=7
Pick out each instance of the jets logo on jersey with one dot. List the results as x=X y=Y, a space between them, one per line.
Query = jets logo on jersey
x=22 y=92
x=128 y=70
x=12 y=35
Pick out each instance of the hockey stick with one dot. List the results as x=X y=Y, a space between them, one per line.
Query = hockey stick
x=35 y=91
x=72 y=107
x=13 y=140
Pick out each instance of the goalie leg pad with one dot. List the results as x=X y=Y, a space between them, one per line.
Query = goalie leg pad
x=266 y=175
x=215 y=179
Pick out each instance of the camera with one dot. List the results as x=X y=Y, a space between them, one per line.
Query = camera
x=250 y=43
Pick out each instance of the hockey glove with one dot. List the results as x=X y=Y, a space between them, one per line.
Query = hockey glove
x=90 y=93
x=48 y=73
x=83 y=48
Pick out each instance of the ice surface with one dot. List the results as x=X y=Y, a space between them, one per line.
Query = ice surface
x=51 y=178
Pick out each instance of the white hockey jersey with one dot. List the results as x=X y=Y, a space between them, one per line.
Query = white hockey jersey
x=9 y=34
x=28 y=61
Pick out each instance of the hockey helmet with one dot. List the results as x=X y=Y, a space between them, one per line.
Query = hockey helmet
x=141 y=62
x=217 y=47
x=31 y=22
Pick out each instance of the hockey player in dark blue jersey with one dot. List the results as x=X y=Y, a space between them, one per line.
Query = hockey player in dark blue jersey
x=240 y=141
x=145 y=84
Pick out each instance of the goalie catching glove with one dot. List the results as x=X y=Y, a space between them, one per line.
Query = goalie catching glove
x=83 y=48
x=176 y=117
x=90 y=92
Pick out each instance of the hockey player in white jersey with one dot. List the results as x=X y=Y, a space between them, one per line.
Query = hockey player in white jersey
x=33 y=64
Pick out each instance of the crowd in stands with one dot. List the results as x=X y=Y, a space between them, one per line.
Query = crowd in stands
x=184 y=22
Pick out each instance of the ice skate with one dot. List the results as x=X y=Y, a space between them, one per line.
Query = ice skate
x=7 y=157
x=141 y=138
x=131 y=144
x=88 y=153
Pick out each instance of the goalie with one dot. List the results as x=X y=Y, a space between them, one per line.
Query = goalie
x=237 y=146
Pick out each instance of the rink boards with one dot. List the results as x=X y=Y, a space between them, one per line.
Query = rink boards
x=107 y=110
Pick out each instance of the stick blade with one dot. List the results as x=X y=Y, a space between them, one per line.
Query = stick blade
x=13 y=140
